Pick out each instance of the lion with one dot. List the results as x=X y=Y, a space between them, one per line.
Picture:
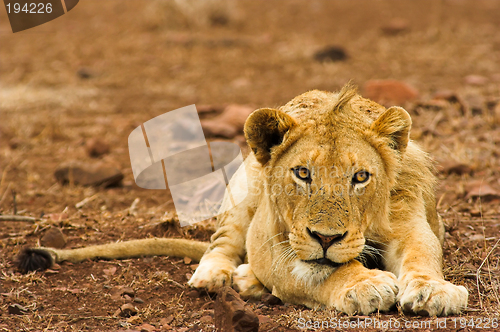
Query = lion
x=340 y=213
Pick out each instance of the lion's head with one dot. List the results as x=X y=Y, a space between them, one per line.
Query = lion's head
x=331 y=161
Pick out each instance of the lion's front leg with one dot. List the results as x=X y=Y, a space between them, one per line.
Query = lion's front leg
x=225 y=253
x=415 y=256
x=350 y=288
x=354 y=289
x=247 y=284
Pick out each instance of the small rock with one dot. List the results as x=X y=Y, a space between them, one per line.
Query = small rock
x=167 y=320
x=117 y=293
x=187 y=260
x=231 y=314
x=448 y=95
x=390 y=91
x=138 y=300
x=17 y=309
x=270 y=299
x=476 y=213
x=236 y=115
x=88 y=174
x=110 y=271
x=477 y=80
x=241 y=83
x=96 y=147
x=481 y=190
x=166 y=327
x=15 y=142
x=206 y=110
x=395 y=27
x=330 y=53
x=476 y=237
x=229 y=123
x=84 y=73
x=212 y=128
x=264 y=319
x=452 y=97
x=206 y=320
x=128 y=310
x=475 y=103
x=53 y=238
x=146 y=328
x=453 y=167
x=127 y=298
x=193 y=293
x=117 y=312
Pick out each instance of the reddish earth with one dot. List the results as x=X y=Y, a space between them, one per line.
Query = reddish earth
x=80 y=84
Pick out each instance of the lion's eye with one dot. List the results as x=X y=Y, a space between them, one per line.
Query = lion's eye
x=302 y=173
x=360 y=177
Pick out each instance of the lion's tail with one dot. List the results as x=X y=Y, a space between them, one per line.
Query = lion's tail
x=32 y=259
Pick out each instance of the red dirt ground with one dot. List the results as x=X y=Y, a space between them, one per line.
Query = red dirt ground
x=108 y=66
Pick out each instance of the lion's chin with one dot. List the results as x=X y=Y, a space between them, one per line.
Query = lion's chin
x=324 y=261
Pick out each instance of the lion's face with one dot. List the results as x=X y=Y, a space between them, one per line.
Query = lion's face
x=328 y=189
x=329 y=172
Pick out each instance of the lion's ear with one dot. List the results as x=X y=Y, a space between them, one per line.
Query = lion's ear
x=395 y=124
x=266 y=128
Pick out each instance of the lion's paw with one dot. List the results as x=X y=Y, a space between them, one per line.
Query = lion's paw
x=246 y=283
x=212 y=274
x=375 y=292
x=427 y=296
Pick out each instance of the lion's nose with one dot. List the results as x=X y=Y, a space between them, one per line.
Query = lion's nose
x=326 y=240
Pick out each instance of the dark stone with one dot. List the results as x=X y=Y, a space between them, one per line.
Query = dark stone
x=88 y=174
x=231 y=314
x=330 y=53
x=270 y=300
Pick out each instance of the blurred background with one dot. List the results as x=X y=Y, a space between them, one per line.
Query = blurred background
x=73 y=89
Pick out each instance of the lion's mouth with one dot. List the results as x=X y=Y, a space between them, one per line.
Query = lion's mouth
x=325 y=261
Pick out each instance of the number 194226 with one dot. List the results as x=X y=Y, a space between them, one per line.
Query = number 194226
x=30 y=8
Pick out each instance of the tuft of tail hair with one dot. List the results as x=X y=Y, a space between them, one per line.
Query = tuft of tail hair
x=32 y=259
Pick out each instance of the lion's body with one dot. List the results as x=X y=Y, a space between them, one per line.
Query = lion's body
x=304 y=237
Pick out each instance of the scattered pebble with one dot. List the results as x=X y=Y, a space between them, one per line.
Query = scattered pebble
x=482 y=190
x=146 y=328
x=53 y=238
x=110 y=271
x=331 y=54
x=270 y=300
x=96 y=147
x=264 y=319
x=229 y=123
x=395 y=27
x=206 y=319
x=390 y=91
x=84 y=73
x=117 y=293
x=193 y=293
x=167 y=320
x=17 y=309
x=477 y=80
x=231 y=314
x=453 y=167
x=84 y=174
x=138 y=300
x=128 y=310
